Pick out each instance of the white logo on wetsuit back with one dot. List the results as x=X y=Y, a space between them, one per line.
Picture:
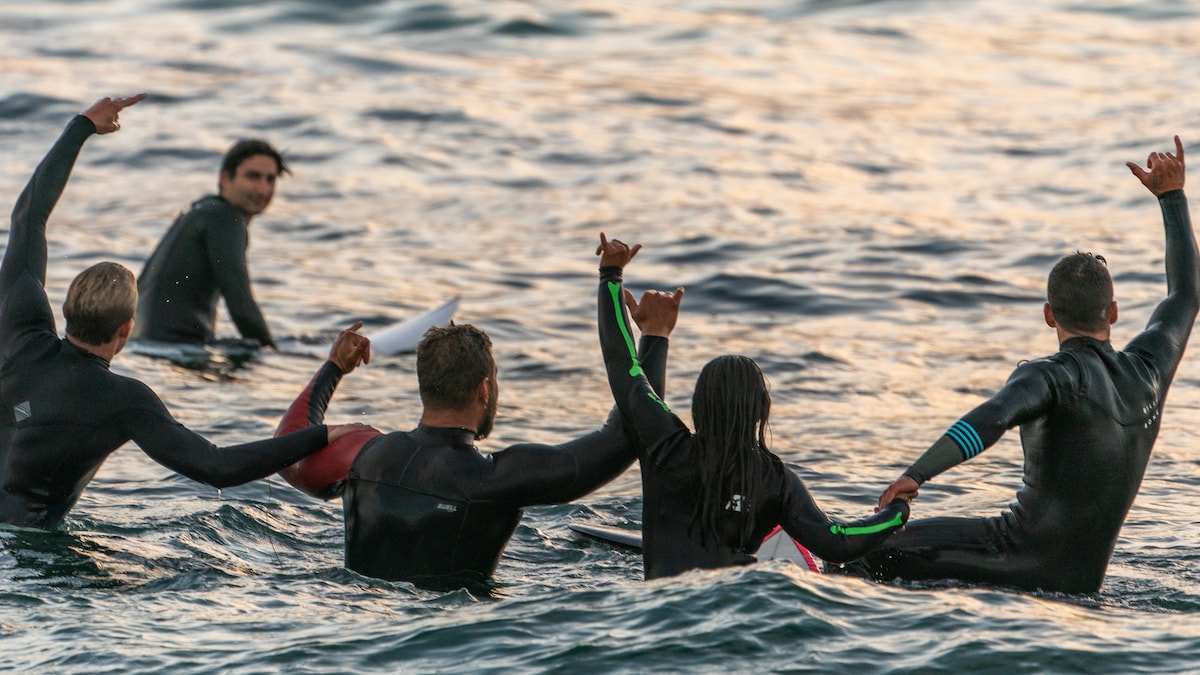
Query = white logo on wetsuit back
x=22 y=411
x=447 y=507
x=735 y=504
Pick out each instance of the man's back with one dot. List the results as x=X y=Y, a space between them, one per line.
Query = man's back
x=68 y=414
x=1085 y=457
x=426 y=506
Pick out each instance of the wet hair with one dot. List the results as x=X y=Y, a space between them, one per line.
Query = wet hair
x=99 y=300
x=1080 y=291
x=730 y=410
x=451 y=362
x=247 y=148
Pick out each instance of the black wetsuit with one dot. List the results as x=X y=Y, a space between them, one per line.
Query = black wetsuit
x=1088 y=416
x=62 y=412
x=671 y=478
x=426 y=506
x=202 y=257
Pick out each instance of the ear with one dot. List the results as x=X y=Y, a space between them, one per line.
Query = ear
x=223 y=181
x=1048 y=314
x=483 y=392
x=126 y=329
x=1112 y=313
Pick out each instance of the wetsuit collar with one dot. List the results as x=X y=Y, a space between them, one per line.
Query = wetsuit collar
x=1085 y=342
x=450 y=435
x=85 y=353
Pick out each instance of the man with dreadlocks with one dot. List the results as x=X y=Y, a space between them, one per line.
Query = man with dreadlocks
x=711 y=496
x=1089 y=416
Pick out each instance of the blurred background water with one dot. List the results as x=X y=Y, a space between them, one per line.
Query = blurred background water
x=863 y=196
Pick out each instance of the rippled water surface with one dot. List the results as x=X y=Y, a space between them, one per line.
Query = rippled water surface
x=863 y=196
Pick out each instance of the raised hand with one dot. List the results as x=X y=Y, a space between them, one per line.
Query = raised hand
x=657 y=312
x=615 y=253
x=104 y=113
x=1164 y=171
x=350 y=349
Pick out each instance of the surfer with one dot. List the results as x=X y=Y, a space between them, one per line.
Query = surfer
x=711 y=496
x=426 y=506
x=203 y=256
x=62 y=412
x=1089 y=416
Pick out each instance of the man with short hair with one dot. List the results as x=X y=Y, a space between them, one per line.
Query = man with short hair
x=62 y=412
x=203 y=256
x=426 y=506
x=1089 y=416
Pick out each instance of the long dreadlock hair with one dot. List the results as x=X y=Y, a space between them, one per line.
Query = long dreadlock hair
x=730 y=408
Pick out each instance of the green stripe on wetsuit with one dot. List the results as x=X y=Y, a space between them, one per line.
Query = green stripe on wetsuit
x=895 y=521
x=614 y=290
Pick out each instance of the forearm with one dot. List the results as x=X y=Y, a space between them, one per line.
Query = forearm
x=186 y=452
x=833 y=540
x=27 y=239
x=1181 y=255
x=309 y=407
x=633 y=392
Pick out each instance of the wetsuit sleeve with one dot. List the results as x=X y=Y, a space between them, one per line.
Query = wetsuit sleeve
x=227 y=242
x=322 y=474
x=831 y=540
x=644 y=410
x=544 y=474
x=1026 y=396
x=1170 y=324
x=184 y=451
x=309 y=407
x=23 y=303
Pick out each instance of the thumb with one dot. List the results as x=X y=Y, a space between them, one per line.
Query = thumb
x=630 y=301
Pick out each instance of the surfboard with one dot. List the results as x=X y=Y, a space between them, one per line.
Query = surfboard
x=402 y=337
x=776 y=546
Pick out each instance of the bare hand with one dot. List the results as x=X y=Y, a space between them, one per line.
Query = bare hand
x=615 y=253
x=1164 y=171
x=350 y=349
x=336 y=431
x=904 y=488
x=657 y=313
x=104 y=112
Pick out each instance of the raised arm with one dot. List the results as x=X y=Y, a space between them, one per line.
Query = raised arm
x=1171 y=323
x=323 y=474
x=650 y=417
x=23 y=302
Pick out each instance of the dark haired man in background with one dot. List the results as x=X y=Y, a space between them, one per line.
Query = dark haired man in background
x=203 y=256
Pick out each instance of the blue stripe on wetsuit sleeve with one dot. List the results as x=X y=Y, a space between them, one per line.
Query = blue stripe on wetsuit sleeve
x=967 y=439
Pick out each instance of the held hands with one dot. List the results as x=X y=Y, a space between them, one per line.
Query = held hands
x=1163 y=172
x=104 y=113
x=350 y=350
x=615 y=253
x=657 y=313
x=904 y=488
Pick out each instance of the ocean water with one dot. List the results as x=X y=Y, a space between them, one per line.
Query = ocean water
x=863 y=196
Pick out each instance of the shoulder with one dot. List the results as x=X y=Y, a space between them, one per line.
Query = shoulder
x=129 y=392
x=213 y=211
